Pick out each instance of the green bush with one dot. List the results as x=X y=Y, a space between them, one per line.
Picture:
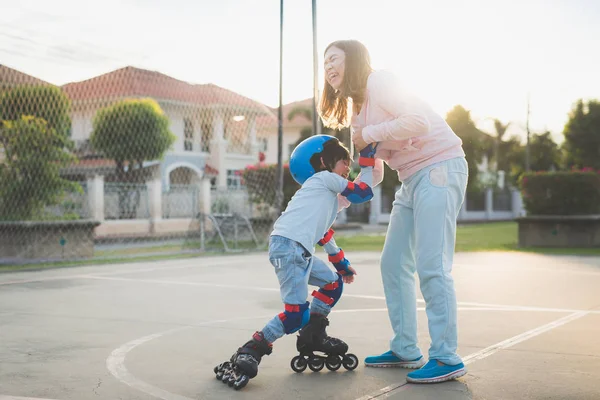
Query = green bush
x=46 y=102
x=261 y=183
x=574 y=192
x=30 y=176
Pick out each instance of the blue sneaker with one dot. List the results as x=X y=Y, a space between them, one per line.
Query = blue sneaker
x=432 y=372
x=389 y=359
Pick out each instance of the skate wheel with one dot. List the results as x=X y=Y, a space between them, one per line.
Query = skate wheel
x=219 y=369
x=226 y=375
x=241 y=382
x=333 y=363
x=350 y=362
x=298 y=364
x=231 y=380
x=316 y=365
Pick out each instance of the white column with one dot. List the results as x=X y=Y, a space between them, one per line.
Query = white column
x=95 y=186
x=375 y=209
x=489 y=203
x=204 y=203
x=252 y=143
x=218 y=150
x=517 y=204
x=155 y=199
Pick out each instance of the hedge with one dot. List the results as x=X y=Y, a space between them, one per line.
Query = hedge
x=575 y=192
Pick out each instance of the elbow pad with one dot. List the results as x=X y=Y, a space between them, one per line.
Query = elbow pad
x=358 y=193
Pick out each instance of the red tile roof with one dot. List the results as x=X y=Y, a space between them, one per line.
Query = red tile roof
x=11 y=77
x=299 y=121
x=131 y=81
x=208 y=170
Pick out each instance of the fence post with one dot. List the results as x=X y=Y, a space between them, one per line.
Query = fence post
x=155 y=199
x=95 y=199
x=489 y=203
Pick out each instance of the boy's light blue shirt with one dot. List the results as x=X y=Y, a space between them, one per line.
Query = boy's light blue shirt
x=312 y=210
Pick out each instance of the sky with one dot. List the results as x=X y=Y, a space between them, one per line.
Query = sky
x=486 y=55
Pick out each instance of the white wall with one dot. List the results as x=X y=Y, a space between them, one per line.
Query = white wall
x=176 y=126
x=81 y=124
x=289 y=137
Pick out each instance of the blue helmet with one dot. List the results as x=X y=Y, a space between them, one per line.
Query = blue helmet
x=300 y=167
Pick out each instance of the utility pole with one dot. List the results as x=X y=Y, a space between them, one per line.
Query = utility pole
x=315 y=114
x=279 y=185
x=527 y=155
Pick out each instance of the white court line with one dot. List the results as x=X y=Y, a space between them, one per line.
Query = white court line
x=488 y=351
x=538 y=268
x=132 y=271
x=5 y=397
x=115 y=363
x=486 y=306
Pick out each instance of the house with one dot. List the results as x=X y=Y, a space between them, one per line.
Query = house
x=9 y=78
x=291 y=131
x=218 y=131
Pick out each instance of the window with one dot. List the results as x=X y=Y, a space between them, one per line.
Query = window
x=234 y=179
x=206 y=137
x=188 y=134
x=263 y=143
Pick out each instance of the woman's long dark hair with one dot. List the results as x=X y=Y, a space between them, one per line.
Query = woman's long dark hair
x=334 y=104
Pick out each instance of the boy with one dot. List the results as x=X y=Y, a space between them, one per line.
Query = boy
x=321 y=164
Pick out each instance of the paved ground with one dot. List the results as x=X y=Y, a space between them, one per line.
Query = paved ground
x=529 y=327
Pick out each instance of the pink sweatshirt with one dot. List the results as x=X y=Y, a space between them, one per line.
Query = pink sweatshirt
x=410 y=134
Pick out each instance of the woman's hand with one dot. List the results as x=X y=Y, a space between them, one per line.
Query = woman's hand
x=357 y=138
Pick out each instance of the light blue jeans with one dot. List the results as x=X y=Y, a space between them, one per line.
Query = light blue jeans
x=421 y=237
x=296 y=268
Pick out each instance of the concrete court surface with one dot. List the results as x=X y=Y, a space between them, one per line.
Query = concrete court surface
x=529 y=328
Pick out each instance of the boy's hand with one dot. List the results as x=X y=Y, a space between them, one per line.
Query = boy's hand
x=342 y=265
x=367 y=155
x=349 y=278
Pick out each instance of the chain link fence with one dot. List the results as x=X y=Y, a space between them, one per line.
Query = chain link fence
x=131 y=163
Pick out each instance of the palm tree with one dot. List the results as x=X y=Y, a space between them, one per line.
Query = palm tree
x=303 y=111
x=500 y=131
x=343 y=135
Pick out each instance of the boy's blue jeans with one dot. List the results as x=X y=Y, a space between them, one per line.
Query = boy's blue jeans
x=421 y=237
x=296 y=268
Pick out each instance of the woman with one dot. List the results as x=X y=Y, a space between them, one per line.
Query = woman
x=427 y=155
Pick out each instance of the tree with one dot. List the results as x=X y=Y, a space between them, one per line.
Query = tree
x=545 y=154
x=131 y=132
x=343 y=135
x=582 y=135
x=513 y=159
x=34 y=152
x=500 y=129
x=476 y=143
x=46 y=102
